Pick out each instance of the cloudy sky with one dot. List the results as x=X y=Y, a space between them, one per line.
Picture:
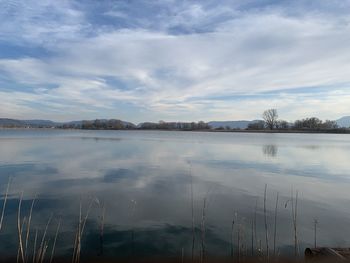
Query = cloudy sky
x=174 y=59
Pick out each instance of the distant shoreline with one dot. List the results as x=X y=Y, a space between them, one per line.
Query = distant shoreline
x=335 y=131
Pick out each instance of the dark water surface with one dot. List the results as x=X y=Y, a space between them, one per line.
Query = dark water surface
x=143 y=178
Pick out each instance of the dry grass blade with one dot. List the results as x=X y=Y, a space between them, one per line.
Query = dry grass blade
x=255 y=230
x=19 y=250
x=275 y=230
x=35 y=241
x=192 y=213
x=86 y=216
x=80 y=232
x=46 y=245
x=28 y=227
x=42 y=243
x=55 y=240
x=266 y=226
x=295 y=224
x=103 y=212
x=4 y=203
x=75 y=247
x=19 y=227
x=294 y=220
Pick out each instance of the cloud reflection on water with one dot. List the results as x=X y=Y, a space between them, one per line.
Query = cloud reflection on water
x=153 y=169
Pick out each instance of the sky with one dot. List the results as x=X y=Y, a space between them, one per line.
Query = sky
x=174 y=60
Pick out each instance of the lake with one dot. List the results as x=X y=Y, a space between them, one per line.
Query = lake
x=143 y=181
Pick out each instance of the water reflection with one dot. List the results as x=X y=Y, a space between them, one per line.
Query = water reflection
x=153 y=169
x=270 y=150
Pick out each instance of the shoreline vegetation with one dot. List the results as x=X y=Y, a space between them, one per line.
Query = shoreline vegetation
x=220 y=130
x=270 y=123
x=335 y=131
x=37 y=244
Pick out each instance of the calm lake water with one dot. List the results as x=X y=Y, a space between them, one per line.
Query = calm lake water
x=144 y=179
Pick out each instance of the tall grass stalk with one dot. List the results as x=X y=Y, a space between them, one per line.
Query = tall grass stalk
x=103 y=212
x=266 y=226
x=77 y=237
x=75 y=246
x=28 y=227
x=275 y=230
x=19 y=250
x=192 y=215
x=19 y=228
x=55 y=240
x=41 y=250
x=80 y=232
x=35 y=241
x=294 y=219
x=4 y=203
x=255 y=229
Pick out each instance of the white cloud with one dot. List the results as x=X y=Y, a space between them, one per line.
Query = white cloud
x=184 y=75
x=40 y=22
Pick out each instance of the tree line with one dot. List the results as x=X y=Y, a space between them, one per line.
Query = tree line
x=114 y=124
x=272 y=122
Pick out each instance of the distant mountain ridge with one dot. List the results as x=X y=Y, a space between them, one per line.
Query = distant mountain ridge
x=343 y=122
x=6 y=122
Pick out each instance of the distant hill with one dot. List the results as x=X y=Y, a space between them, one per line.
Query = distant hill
x=46 y=123
x=243 y=124
x=13 y=123
x=344 y=122
x=10 y=122
x=4 y=122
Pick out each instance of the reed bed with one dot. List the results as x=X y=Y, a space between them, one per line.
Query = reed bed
x=39 y=247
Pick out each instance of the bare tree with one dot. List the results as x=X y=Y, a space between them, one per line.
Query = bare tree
x=270 y=117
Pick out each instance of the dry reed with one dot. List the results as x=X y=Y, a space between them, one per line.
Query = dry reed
x=22 y=227
x=28 y=227
x=294 y=219
x=55 y=240
x=103 y=212
x=255 y=229
x=266 y=226
x=4 y=203
x=19 y=227
x=275 y=225
x=41 y=251
x=35 y=241
x=80 y=231
x=192 y=214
